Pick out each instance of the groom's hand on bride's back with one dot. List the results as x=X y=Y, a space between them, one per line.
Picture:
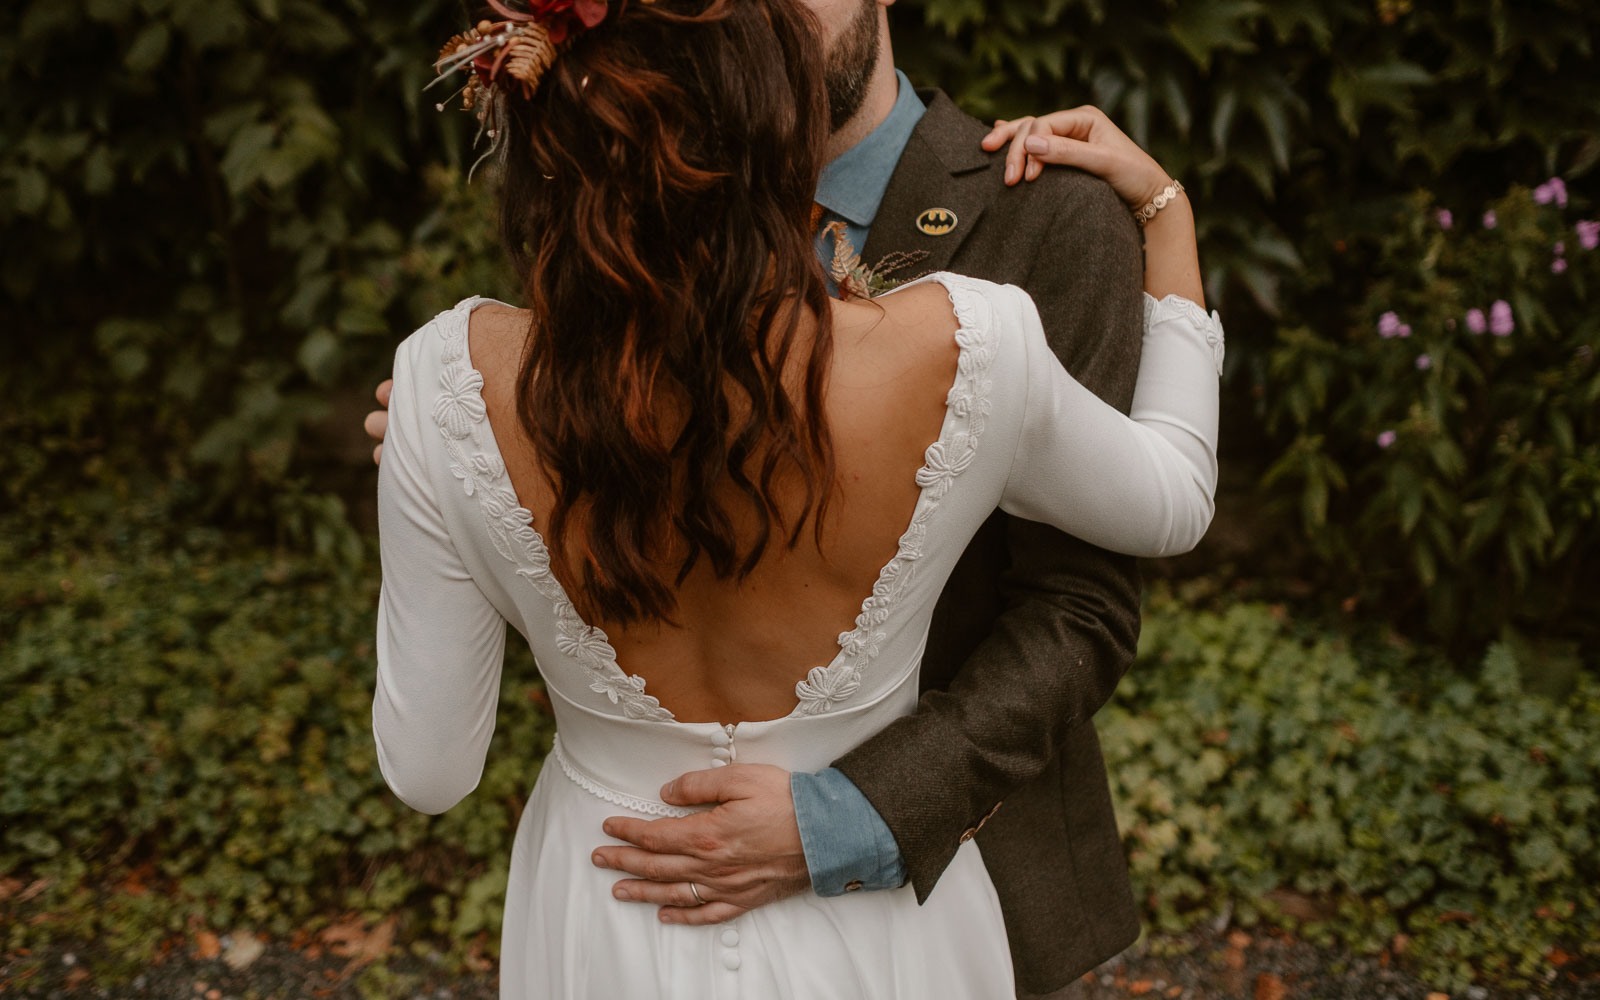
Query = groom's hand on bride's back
x=377 y=422
x=743 y=853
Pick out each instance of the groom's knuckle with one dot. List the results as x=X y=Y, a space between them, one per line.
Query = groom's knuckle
x=704 y=844
x=652 y=868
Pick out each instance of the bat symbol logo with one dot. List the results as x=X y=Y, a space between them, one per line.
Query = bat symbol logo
x=937 y=222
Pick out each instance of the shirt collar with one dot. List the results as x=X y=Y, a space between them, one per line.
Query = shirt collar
x=852 y=186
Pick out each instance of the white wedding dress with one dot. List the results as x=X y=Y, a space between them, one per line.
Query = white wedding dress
x=461 y=558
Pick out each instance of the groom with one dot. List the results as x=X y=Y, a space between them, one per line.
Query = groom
x=1034 y=628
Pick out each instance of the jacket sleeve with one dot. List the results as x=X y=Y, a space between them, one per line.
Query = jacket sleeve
x=1069 y=623
x=440 y=643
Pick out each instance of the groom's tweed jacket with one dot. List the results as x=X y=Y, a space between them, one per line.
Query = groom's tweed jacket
x=1035 y=628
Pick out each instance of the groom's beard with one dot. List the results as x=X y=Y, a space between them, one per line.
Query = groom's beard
x=850 y=64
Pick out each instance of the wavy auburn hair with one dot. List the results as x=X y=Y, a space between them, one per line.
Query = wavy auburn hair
x=657 y=195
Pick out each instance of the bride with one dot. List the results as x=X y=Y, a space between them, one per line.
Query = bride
x=718 y=504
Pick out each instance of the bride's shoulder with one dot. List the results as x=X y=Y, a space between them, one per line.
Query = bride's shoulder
x=980 y=304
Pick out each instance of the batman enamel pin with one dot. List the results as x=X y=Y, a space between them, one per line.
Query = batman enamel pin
x=937 y=222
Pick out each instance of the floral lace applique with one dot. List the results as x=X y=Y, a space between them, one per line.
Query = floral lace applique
x=969 y=404
x=461 y=414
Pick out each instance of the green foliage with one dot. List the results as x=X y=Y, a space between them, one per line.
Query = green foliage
x=1443 y=467
x=1278 y=114
x=218 y=215
x=1249 y=758
x=203 y=712
x=196 y=713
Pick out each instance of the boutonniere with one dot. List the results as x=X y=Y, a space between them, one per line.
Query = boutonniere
x=855 y=279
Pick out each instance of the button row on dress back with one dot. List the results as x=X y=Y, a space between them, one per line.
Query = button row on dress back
x=723 y=752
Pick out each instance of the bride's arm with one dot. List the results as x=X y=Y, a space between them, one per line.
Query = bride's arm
x=1143 y=486
x=440 y=642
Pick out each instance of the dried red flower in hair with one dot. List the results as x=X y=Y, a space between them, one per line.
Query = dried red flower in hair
x=561 y=18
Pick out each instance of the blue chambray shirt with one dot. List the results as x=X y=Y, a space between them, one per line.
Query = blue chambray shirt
x=851 y=187
x=845 y=839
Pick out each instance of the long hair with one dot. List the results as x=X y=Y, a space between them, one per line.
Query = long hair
x=657 y=195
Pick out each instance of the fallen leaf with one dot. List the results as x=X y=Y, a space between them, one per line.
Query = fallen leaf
x=76 y=977
x=34 y=888
x=1173 y=992
x=1438 y=996
x=9 y=887
x=354 y=941
x=1139 y=987
x=1233 y=958
x=1239 y=939
x=208 y=945
x=246 y=948
x=1270 y=987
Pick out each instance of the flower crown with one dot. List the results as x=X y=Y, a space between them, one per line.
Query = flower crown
x=520 y=48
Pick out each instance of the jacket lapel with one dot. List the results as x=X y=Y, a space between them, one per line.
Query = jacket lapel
x=942 y=167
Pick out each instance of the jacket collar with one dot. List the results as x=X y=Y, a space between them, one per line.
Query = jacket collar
x=943 y=167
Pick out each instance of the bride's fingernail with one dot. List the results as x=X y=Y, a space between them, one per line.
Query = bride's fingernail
x=599 y=862
x=621 y=893
x=1036 y=144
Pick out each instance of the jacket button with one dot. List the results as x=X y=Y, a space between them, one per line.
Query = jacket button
x=852 y=885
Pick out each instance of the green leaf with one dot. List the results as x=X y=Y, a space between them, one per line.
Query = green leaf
x=1204 y=29
x=32 y=190
x=149 y=48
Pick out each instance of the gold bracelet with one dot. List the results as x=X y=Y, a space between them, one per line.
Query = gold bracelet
x=1160 y=201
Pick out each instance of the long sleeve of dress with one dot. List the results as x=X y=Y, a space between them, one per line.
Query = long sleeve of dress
x=440 y=643
x=1141 y=484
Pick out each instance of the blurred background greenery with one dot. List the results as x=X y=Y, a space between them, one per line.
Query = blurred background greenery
x=1374 y=688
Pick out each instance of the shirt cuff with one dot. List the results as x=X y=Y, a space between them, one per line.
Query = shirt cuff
x=848 y=845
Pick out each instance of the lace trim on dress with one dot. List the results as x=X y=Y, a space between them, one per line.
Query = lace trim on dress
x=1175 y=305
x=969 y=406
x=582 y=780
x=460 y=413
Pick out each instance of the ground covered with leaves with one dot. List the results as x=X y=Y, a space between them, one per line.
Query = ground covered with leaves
x=190 y=773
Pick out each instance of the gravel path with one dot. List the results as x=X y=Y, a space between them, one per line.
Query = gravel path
x=1201 y=966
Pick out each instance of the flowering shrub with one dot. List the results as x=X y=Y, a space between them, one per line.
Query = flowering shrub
x=1443 y=448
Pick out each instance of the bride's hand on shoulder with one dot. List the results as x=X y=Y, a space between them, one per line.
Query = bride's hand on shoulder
x=1085 y=138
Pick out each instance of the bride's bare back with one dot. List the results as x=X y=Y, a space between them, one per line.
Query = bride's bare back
x=740 y=648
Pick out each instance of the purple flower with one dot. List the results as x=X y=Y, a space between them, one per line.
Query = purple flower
x=1424 y=362
x=1560 y=248
x=1589 y=234
x=1403 y=331
x=1554 y=189
x=1501 y=323
x=1388 y=325
x=1476 y=322
x=1445 y=218
x=1558 y=266
x=1490 y=220
x=1386 y=439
